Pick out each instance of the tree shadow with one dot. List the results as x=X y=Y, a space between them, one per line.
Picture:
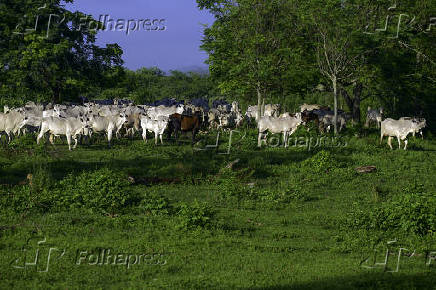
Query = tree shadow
x=367 y=281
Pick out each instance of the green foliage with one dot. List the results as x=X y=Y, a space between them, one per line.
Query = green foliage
x=197 y=215
x=155 y=204
x=56 y=61
x=104 y=191
x=320 y=162
x=411 y=212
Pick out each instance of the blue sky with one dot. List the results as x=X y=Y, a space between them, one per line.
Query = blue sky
x=175 y=48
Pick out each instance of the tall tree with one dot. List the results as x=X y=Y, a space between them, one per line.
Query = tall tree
x=49 y=52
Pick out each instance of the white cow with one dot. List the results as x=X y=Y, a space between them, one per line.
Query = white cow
x=11 y=123
x=287 y=126
x=374 y=115
x=70 y=127
x=156 y=112
x=108 y=124
x=421 y=124
x=397 y=128
x=156 y=126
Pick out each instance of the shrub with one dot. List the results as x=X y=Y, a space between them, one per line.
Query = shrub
x=320 y=162
x=411 y=212
x=229 y=184
x=197 y=215
x=155 y=204
x=103 y=191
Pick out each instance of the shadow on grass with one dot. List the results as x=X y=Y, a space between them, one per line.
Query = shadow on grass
x=368 y=281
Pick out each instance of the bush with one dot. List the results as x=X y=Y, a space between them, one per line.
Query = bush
x=197 y=215
x=229 y=184
x=411 y=212
x=103 y=191
x=320 y=162
x=155 y=204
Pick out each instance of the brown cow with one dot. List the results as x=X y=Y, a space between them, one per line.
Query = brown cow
x=183 y=123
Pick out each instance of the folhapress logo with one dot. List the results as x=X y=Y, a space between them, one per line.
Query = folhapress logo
x=37 y=254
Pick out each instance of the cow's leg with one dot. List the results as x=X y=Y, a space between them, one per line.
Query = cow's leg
x=399 y=142
x=381 y=137
x=144 y=135
x=109 y=136
x=389 y=142
x=75 y=141
x=51 y=138
x=259 y=139
x=284 y=139
x=405 y=144
x=41 y=134
x=156 y=137
x=161 y=141
x=69 y=141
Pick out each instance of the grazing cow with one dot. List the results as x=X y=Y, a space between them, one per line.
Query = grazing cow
x=156 y=126
x=184 y=124
x=70 y=127
x=374 y=115
x=108 y=124
x=421 y=124
x=397 y=128
x=287 y=126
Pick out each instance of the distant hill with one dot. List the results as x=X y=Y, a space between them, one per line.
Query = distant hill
x=194 y=68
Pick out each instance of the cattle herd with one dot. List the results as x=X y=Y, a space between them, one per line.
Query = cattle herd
x=123 y=118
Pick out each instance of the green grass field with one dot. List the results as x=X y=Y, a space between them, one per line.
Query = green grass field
x=174 y=217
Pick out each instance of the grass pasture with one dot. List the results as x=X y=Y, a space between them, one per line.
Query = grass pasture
x=175 y=217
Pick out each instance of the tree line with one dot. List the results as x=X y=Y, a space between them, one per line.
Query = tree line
x=353 y=50
x=342 y=53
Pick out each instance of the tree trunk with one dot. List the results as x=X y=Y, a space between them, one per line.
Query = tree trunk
x=335 y=93
x=259 y=102
x=353 y=103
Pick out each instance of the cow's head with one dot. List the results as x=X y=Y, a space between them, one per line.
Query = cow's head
x=180 y=109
